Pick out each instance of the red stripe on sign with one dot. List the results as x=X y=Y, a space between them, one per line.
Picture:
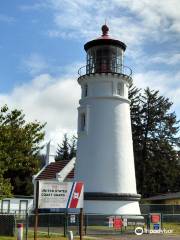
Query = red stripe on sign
x=76 y=194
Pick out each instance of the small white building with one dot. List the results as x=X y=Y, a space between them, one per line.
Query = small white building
x=16 y=205
x=62 y=170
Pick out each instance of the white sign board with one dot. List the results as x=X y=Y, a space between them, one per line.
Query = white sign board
x=72 y=219
x=125 y=222
x=54 y=194
x=111 y=221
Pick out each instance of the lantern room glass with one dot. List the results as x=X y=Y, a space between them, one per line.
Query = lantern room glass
x=104 y=59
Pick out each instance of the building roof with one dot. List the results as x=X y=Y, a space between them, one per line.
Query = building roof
x=164 y=196
x=52 y=169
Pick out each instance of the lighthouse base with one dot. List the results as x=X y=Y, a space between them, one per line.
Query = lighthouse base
x=112 y=207
x=112 y=203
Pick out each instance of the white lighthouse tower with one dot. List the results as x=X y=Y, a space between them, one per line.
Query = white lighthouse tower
x=105 y=161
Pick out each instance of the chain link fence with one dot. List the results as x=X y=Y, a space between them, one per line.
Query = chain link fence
x=50 y=224
x=160 y=208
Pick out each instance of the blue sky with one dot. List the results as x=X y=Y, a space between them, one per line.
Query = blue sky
x=25 y=39
x=41 y=49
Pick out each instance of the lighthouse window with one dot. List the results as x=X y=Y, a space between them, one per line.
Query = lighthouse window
x=5 y=206
x=86 y=90
x=83 y=121
x=120 y=89
x=104 y=59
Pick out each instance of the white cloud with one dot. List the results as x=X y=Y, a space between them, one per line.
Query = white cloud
x=153 y=79
x=160 y=15
x=166 y=58
x=174 y=97
x=167 y=84
x=34 y=64
x=130 y=20
x=50 y=100
x=133 y=21
x=55 y=100
x=136 y=22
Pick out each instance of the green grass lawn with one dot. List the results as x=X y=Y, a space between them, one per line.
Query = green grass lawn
x=31 y=238
x=43 y=238
x=172 y=226
x=40 y=237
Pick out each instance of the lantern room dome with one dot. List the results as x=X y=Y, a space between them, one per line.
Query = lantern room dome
x=105 y=39
x=105 y=30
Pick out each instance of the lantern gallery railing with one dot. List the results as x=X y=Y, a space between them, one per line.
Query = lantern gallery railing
x=105 y=66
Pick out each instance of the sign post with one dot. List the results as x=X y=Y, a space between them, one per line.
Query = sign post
x=81 y=224
x=111 y=221
x=155 y=221
x=20 y=231
x=36 y=210
x=65 y=221
x=54 y=194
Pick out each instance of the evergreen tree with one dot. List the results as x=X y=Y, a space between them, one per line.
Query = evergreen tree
x=63 y=149
x=19 y=148
x=155 y=138
x=67 y=149
x=5 y=186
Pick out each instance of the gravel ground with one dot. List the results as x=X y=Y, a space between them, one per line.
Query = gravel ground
x=145 y=237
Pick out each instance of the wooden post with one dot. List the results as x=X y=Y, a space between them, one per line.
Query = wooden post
x=81 y=224
x=48 y=226
x=65 y=222
x=86 y=220
x=36 y=211
x=27 y=225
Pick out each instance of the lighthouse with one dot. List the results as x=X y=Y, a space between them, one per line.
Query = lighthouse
x=105 y=160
